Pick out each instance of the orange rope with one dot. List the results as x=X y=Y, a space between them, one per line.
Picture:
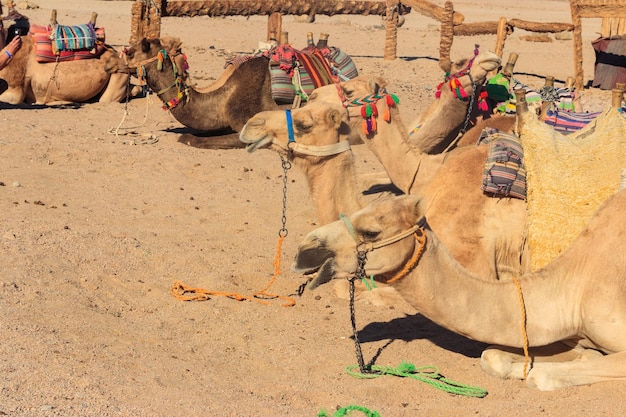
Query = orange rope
x=421 y=239
x=525 y=336
x=184 y=293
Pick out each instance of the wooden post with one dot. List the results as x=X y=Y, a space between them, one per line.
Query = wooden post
x=501 y=36
x=274 y=26
x=145 y=21
x=579 y=77
x=447 y=37
x=391 y=33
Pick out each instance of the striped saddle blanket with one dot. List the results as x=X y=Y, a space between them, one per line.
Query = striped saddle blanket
x=299 y=72
x=67 y=43
x=504 y=174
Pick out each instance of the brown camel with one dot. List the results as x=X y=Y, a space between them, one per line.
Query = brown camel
x=227 y=104
x=26 y=80
x=574 y=307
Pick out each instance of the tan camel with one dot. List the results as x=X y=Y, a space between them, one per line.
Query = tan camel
x=26 y=80
x=576 y=304
x=485 y=234
x=316 y=150
x=437 y=128
x=228 y=103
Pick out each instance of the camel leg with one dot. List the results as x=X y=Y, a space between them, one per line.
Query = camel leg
x=555 y=366
x=116 y=88
x=508 y=363
x=590 y=369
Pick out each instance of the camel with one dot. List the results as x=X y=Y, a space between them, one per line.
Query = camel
x=436 y=129
x=323 y=123
x=80 y=81
x=227 y=104
x=576 y=304
x=485 y=234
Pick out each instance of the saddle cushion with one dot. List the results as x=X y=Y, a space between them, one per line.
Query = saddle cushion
x=46 y=52
x=294 y=70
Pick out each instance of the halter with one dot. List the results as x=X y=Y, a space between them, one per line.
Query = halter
x=364 y=247
x=179 y=77
x=453 y=79
x=312 y=150
x=369 y=110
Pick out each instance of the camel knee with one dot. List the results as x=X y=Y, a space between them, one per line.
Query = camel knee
x=502 y=364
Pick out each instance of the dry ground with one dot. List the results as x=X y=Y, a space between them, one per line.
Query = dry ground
x=94 y=230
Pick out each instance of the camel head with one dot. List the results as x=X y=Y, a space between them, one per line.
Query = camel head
x=316 y=125
x=468 y=73
x=148 y=49
x=350 y=91
x=332 y=250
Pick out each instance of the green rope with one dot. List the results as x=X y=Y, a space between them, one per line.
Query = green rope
x=369 y=283
x=345 y=410
x=428 y=374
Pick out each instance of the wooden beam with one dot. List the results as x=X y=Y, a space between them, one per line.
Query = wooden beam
x=264 y=7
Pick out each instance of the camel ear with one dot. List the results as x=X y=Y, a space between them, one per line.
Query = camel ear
x=145 y=45
x=417 y=206
x=375 y=84
x=335 y=117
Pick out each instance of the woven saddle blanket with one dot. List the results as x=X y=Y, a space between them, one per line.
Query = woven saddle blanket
x=504 y=174
x=67 y=43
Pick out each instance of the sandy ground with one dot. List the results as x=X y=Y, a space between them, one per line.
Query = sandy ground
x=94 y=231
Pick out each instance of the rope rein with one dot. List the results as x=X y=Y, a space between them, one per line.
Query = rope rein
x=428 y=374
x=185 y=293
x=524 y=334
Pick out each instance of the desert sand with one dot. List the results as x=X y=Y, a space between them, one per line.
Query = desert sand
x=103 y=209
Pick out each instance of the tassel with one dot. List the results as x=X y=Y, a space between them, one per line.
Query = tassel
x=161 y=58
x=374 y=126
x=482 y=101
x=365 y=127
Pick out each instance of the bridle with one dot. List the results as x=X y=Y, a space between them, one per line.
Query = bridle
x=417 y=231
x=180 y=76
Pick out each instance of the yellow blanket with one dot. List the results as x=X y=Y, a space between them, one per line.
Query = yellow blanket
x=568 y=177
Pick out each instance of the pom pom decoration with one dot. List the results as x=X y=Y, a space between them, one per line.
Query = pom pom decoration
x=482 y=101
x=161 y=58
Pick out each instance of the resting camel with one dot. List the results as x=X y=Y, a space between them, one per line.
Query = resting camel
x=576 y=304
x=485 y=234
x=80 y=81
x=228 y=103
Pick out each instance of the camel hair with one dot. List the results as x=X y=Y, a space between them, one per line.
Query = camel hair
x=485 y=234
x=76 y=81
x=566 y=302
x=239 y=93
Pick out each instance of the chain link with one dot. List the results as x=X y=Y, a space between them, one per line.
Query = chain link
x=359 y=274
x=286 y=164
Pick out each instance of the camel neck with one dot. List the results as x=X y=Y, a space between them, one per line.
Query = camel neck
x=484 y=310
x=337 y=194
x=390 y=145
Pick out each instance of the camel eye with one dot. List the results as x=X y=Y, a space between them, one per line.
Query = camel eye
x=347 y=93
x=303 y=128
x=369 y=235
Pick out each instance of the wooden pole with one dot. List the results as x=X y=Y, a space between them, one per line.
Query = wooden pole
x=391 y=32
x=579 y=77
x=446 y=37
x=274 y=27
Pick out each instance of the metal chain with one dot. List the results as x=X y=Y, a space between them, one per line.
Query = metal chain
x=286 y=164
x=359 y=274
